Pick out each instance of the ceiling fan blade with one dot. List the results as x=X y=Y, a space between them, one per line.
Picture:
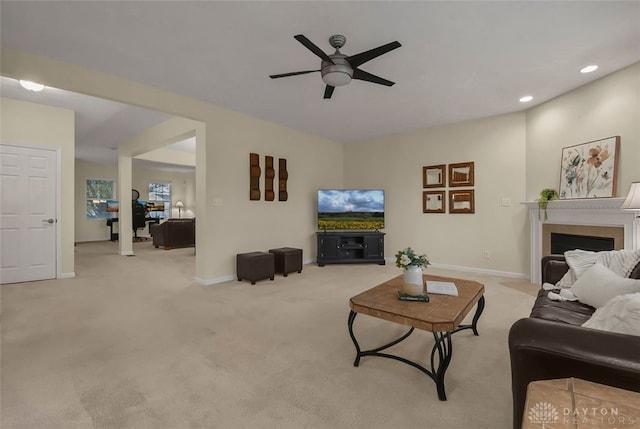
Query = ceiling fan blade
x=363 y=57
x=313 y=48
x=276 y=76
x=363 y=75
x=328 y=91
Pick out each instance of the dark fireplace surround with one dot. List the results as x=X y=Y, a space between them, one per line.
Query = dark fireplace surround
x=561 y=242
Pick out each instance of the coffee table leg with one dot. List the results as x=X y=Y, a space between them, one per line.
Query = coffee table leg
x=377 y=350
x=474 y=324
x=479 y=310
x=444 y=346
x=352 y=317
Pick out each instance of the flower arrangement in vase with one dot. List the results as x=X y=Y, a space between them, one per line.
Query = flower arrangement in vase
x=412 y=263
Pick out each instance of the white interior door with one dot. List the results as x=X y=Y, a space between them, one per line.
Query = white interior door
x=27 y=213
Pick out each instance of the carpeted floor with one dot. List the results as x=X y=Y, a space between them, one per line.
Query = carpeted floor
x=134 y=342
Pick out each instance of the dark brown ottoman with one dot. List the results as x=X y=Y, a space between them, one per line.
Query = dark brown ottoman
x=255 y=266
x=287 y=259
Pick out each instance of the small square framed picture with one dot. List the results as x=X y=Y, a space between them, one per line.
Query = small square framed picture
x=434 y=176
x=461 y=174
x=461 y=201
x=433 y=202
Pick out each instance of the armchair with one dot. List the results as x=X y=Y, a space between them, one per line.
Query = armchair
x=174 y=233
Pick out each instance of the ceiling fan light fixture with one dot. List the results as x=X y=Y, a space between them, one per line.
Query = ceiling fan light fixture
x=336 y=78
x=337 y=74
x=338 y=69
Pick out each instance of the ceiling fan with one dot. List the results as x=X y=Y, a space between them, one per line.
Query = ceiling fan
x=338 y=69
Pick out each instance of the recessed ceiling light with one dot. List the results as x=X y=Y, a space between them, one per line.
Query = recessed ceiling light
x=589 y=69
x=31 y=86
x=526 y=99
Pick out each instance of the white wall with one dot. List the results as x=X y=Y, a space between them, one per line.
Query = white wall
x=43 y=126
x=516 y=156
x=609 y=106
x=497 y=148
x=183 y=187
x=228 y=223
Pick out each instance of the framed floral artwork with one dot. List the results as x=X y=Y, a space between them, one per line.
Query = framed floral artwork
x=589 y=170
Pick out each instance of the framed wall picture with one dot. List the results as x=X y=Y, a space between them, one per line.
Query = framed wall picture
x=434 y=176
x=433 y=202
x=461 y=201
x=589 y=170
x=461 y=174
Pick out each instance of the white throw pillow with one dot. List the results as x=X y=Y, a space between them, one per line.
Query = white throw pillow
x=621 y=314
x=620 y=262
x=599 y=284
x=578 y=261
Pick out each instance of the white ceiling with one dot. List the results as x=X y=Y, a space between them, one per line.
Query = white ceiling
x=458 y=60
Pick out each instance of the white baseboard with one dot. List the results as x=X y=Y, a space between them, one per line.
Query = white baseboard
x=127 y=253
x=474 y=270
x=216 y=280
x=520 y=276
x=483 y=271
x=67 y=275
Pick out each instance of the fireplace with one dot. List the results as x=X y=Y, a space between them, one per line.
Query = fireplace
x=601 y=218
x=560 y=243
x=585 y=237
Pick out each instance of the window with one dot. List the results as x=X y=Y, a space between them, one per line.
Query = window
x=97 y=193
x=159 y=202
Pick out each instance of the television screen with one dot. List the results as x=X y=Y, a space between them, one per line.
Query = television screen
x=350 y=209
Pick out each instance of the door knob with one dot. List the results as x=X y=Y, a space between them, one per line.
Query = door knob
x=48 y=220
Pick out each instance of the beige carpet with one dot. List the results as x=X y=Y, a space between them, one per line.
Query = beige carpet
x=134 y=342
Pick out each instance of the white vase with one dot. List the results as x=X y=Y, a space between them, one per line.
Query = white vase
x=413 y=284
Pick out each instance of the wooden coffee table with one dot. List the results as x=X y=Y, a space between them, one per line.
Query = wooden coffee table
x=442 y=316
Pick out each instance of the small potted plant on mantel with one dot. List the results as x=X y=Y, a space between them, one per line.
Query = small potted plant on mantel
x=546 y=195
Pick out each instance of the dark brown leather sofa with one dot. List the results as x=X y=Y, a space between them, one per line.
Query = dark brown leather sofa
x=551 y=343
x=174 y=233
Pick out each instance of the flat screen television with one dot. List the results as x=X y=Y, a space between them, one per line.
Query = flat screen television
x=350 y=209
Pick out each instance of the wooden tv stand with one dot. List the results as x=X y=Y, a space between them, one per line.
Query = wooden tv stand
x=350 y=247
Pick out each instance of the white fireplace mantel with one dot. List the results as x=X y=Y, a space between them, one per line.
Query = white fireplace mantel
x=591 y=212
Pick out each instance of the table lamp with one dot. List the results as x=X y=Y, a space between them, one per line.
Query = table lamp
x=633 y=199
x=179 y=205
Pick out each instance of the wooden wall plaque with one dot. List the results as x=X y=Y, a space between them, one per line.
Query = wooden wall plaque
x=269 y=174
x=254 y=176
x=283 y=176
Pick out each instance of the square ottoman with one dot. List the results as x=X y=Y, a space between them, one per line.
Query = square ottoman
x=255 y=266
x=287 y=260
